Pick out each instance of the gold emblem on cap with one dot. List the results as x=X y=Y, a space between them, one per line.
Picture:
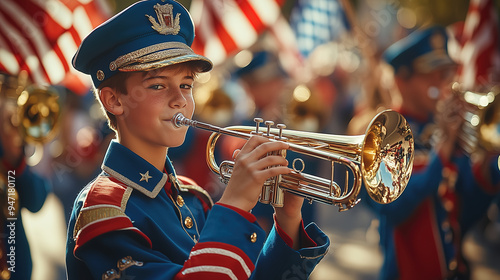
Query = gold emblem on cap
x=100 y=75
x=166 y=23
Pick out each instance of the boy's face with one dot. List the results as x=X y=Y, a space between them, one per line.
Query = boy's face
x=152 y=99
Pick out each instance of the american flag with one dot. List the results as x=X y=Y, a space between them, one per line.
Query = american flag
x=476 y=49
x=224 y=27
x=41 y=37
x=317 y=22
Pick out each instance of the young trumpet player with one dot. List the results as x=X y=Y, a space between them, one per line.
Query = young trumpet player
x=138 y=218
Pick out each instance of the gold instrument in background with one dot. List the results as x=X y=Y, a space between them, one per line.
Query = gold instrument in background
x=482 y=119
x=38 y=114
x=31 y=110
x=35 y=109
x=382 y=158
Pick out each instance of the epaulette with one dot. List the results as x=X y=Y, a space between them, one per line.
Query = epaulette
x=103 y=211
x=188 y=185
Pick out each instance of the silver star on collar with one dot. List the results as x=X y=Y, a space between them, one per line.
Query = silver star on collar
x=145 y=176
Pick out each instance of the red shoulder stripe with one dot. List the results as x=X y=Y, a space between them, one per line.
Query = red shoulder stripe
x=105 y=191
x=104 y=226
x=103 y=211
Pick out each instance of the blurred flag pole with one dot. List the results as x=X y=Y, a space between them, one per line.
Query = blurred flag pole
x=364 y=41
x=374 y=95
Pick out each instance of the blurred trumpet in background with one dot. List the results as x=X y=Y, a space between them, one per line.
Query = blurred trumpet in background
x=30 y=113
x=481 y=126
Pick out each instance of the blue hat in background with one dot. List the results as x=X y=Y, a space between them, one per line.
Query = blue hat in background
x=421 y=51
x=263 y=66
x=145 y=36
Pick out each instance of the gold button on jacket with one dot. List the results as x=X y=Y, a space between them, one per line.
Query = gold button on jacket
x=253 y=237
x=188 y=222
x=180 y=201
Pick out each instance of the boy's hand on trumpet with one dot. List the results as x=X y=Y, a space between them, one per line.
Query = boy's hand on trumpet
x=252 y=167
x=449 y=121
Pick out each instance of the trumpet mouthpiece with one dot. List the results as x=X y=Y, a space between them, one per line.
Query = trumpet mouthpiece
x=178 y=120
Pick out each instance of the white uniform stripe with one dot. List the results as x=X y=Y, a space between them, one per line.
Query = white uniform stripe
x=210 y=268
x=225 y=253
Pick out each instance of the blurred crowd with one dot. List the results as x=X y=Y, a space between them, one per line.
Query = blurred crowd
x=59 y=139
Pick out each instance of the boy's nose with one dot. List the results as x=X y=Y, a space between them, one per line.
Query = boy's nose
x=178 y=99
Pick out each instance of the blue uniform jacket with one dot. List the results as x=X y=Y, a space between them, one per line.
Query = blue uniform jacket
x=421 y=232
x=136 y=221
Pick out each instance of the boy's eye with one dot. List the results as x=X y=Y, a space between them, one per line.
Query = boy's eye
x=156 y=87
x=186 y=86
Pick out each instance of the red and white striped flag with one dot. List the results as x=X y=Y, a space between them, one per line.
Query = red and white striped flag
x=41 y=37
x=224 y=27
x=476 y=49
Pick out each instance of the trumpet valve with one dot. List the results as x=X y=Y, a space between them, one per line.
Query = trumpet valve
x=280 y=137
x=257 y=125
x=269 y=124
x=265 y=195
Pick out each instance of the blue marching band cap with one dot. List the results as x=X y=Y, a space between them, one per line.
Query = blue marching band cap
x=145 y=36
x=421 y=51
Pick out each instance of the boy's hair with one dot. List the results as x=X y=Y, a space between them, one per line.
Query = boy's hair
x=118 y=83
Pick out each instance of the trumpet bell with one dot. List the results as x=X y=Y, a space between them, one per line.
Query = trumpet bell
x=387 y=156
x=38 y=114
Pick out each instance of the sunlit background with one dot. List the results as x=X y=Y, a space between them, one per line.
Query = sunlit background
x=312 y=75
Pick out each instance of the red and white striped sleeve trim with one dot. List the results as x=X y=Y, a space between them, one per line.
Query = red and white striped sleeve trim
x=215 y=260
x=104 y=211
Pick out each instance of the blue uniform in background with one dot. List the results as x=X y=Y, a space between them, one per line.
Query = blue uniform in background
x=421 y=232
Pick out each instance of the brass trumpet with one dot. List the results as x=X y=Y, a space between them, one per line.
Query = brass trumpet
x=382 y=158
x=31 y=111
x=481 y=127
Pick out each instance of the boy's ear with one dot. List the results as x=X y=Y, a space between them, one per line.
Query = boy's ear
x=111 y=101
